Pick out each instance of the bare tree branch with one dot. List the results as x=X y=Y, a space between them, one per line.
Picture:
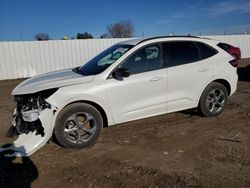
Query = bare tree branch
x=122 y=29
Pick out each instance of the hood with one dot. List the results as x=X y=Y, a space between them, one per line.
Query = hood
x=50 y=80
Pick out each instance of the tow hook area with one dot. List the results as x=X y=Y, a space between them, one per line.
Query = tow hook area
x=25 y=122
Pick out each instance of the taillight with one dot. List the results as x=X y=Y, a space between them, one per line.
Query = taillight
x=234 y=63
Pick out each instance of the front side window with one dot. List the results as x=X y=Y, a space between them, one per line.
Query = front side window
x=146 y=59
x=180 y=52
x=102 y=61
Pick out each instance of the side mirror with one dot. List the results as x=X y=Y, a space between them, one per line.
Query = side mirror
x=121 y=73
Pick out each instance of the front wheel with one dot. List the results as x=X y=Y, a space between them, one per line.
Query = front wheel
x=78 y=125
x=213 y=99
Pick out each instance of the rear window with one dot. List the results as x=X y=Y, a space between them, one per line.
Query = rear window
x=206 y=50
x=224 y=46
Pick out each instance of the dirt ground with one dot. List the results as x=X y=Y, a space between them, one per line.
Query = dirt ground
x=173 y=150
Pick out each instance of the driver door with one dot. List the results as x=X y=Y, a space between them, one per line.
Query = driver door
x=143 y=93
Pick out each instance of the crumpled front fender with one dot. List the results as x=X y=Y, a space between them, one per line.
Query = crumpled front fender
x=27 y=144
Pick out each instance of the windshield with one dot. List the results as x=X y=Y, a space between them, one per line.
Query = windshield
x=102 y=61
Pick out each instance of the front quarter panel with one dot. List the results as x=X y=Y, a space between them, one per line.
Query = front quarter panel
x=92 y=92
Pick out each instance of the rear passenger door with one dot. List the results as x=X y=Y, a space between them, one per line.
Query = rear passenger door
x=189 y=68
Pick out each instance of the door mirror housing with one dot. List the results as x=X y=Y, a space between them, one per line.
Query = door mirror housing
x=121 y=73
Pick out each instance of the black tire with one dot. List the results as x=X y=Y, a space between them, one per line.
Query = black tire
x=213 y=99
x=78 y=125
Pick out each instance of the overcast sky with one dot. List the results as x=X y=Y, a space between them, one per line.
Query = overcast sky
x=22 y=19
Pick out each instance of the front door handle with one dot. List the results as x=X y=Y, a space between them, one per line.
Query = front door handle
x=204 y=70
x=156 y=79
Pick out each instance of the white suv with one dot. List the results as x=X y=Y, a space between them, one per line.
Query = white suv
x=131 y=80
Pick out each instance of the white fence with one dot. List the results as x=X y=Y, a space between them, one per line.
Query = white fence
x=26 y=59
x=242 y=41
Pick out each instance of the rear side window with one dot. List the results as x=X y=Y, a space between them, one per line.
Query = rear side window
x=206 y=51
x=180 y=52
x=224 y=46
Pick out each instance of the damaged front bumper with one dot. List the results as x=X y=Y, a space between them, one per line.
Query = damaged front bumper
x=27 y=143
x=33 y=123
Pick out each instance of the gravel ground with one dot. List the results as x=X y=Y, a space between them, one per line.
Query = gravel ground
x=173 y=150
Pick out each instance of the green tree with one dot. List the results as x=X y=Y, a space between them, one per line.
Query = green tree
x=84 y=35
x=41 y=36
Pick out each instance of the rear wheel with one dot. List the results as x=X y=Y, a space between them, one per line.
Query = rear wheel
x=78 y=125
x=213 y=99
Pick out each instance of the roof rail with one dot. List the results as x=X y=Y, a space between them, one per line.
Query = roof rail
x=175 y=36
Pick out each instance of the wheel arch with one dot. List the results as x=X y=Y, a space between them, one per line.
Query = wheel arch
x=219 y=80
x=225 y=83
x=97 y=106
x=203 y=109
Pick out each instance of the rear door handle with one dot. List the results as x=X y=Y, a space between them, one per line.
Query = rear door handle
x=156 y=79
x=204 y=70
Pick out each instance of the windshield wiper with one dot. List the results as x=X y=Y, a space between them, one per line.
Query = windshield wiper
x=81 y=71
x=77 y=70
